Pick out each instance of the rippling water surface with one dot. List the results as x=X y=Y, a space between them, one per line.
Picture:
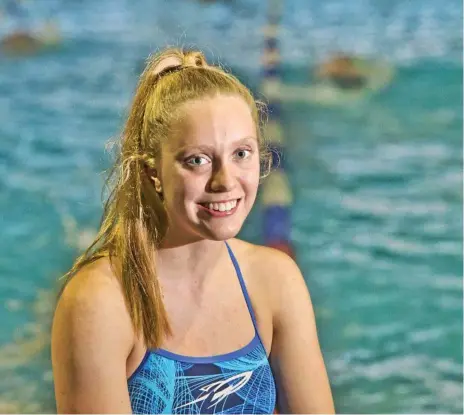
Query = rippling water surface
x=378 y=182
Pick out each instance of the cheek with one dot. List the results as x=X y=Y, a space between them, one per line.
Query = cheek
x=250 y=179
x=173 y=187
x=249 y=171
x=184 y=187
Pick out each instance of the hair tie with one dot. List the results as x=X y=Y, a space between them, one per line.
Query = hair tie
x=169 y=70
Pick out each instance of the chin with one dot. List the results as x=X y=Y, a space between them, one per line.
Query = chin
x=223 y=236
x=218 y=234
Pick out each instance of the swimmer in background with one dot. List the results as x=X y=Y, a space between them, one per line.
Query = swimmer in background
x=338 y=80
x=23 y=41
x=27 y=43
x=343 y=72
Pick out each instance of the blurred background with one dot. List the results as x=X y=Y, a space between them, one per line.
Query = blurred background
x=373 y=158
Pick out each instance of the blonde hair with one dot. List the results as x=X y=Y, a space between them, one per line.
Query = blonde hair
x=134 y=220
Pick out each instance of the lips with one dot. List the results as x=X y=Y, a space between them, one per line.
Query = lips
x=220 y=209
x=223 y=206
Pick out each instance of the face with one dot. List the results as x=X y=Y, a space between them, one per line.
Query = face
x=210 y=170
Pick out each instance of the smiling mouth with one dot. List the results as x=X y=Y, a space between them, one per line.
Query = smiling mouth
x=221 y=208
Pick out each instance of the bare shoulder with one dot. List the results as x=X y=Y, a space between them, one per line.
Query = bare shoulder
x=92 y=337
x=274 y=270
x=94 y=296
x=98 y=274
x=269 y=264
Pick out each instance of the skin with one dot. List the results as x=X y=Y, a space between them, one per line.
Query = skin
x=94 y=349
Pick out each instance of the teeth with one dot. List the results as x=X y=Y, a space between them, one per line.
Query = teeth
x=222 y=207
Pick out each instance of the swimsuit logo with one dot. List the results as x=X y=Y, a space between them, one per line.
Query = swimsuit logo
x=220 y=395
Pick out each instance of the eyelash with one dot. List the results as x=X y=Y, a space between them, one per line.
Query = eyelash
x=188 y=160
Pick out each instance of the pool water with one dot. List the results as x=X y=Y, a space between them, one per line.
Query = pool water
x=378 y=182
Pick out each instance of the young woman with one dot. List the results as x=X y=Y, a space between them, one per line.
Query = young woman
x=167 y=312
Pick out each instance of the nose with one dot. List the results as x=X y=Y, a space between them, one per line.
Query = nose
x=222 y=179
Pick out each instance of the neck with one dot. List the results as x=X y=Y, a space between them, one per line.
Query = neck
x=194 y=260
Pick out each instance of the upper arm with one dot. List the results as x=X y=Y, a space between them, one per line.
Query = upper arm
x=296 y=358
x=91 y=340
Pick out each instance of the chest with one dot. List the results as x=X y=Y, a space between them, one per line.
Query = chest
x=216 y=318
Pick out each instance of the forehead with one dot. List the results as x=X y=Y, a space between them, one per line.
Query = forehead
x=219 y=120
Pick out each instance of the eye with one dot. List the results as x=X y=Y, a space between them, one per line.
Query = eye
x=197 y=161
x=243 y=153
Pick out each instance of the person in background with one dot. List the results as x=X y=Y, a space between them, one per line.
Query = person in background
x=23 y=41
x=167 y=311
x=342 y=71
x=341 y=80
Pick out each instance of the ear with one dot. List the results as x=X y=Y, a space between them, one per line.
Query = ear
x=153 y=176
x=158 y=187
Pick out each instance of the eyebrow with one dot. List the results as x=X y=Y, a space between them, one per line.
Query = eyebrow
x=206 y=147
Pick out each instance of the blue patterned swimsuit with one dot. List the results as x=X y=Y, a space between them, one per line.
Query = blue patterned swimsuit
x=239 y=382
